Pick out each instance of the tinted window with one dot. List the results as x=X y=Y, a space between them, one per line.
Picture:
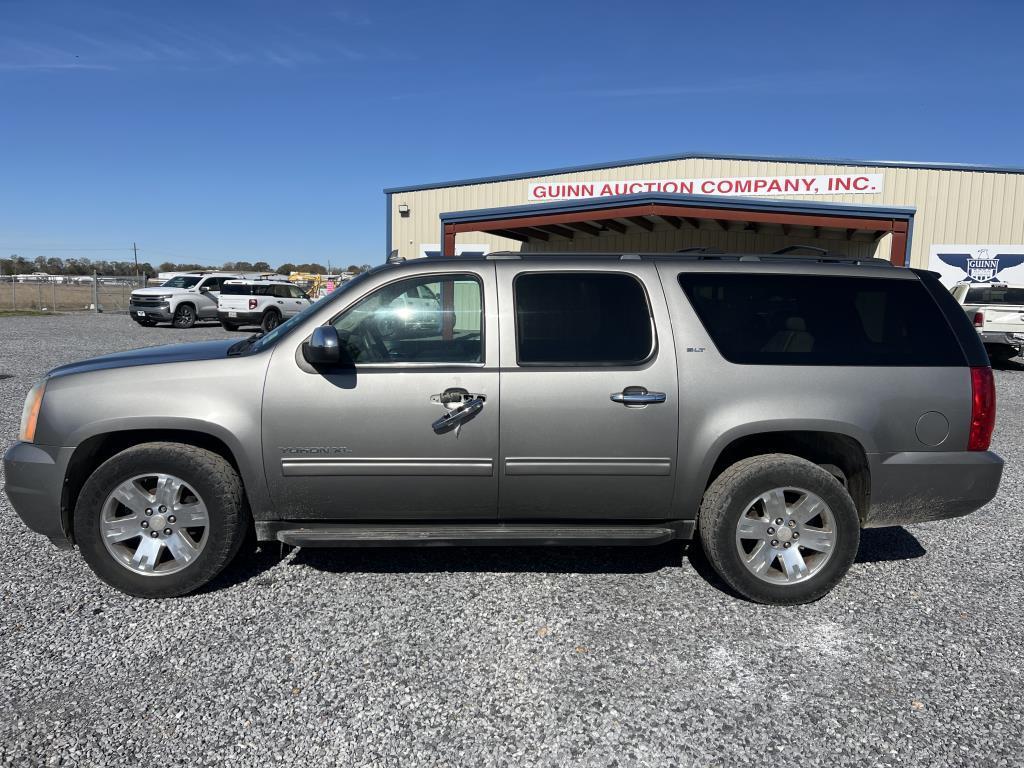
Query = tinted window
x=388 y=326
x=236 y=289
x=995 y=295
x=581 y=318
x=281 y=291
x=295 y=293
x=819 y=320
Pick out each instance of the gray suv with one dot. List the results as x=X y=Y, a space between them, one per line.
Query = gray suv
x=771 y=406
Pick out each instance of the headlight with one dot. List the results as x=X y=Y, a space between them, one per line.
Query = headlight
x=30 y=414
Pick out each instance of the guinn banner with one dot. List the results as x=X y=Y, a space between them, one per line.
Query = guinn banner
x=835 y=184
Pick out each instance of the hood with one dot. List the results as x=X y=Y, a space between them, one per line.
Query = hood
x=169 y=353
x=158 y=291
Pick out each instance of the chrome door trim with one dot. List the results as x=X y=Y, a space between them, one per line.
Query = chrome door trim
x=311 y=466
x=535 y=465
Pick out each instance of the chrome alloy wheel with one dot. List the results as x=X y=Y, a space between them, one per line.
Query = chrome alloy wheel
x=154 y=524
x=786 y=535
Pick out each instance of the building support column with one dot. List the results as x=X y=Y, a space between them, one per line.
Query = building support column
x=448 y=247
x=898 y=247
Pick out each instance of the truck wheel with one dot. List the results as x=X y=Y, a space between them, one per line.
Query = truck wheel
x=271 y=319
x=184 y=316
x=779 y=529
x=228 y=326
x=161 y=519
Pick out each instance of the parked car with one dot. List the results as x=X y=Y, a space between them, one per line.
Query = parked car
x=997 y=312
x=770 y=406
x=181 y=301
x=263 y=303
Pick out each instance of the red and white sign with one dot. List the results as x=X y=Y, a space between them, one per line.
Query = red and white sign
x=835 y=184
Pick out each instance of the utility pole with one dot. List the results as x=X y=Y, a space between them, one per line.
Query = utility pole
x=135 y=250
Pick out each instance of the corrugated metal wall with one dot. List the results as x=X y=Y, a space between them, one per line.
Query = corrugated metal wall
x=952 y=207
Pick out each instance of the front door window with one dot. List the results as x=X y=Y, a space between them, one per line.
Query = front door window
x=427 y=319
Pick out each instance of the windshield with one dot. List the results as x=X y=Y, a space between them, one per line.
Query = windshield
x=181 y=281
x=995 y=295
x=269 y=339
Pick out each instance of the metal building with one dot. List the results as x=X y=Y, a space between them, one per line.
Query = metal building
x=958 y=219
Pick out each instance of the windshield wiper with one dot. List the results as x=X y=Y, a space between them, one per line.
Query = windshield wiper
x=239 y=347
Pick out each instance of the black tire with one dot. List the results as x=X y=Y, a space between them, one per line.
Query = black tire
x=727 y=499
x=213 y=478
x=271 y=319
x=184 y=316
x=228 y=326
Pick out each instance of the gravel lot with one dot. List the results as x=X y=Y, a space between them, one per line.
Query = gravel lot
x=509 y=657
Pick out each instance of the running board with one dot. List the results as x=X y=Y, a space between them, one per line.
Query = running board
x=476 y=535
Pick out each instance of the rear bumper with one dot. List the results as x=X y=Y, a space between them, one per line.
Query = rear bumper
x=915 y=487
x=241 y=317
x=34 y=484
x=1002 y=339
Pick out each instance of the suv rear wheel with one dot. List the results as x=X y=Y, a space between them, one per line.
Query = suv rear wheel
x=184 y=316
x=779 y=529
x=271 y=319
x=161 y=519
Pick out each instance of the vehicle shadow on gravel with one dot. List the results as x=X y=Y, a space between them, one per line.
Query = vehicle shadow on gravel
x=876 y=545
x=493 y=559
x=1008 y=365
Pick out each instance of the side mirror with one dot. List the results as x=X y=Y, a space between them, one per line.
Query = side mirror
x=323 y=347
x=203 y=289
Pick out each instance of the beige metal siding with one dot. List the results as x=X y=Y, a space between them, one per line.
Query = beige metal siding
x=952 y=207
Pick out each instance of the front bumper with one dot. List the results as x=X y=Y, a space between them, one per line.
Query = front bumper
x=155 y=313
x=917 y=486
x=34 y=476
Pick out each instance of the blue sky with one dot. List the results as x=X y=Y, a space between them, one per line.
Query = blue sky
x=265 y=130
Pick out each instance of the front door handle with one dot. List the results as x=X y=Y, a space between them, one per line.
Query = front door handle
x=457 y=416
x=638 y=396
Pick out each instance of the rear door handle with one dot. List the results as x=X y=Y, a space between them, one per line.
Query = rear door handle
x=638 y=396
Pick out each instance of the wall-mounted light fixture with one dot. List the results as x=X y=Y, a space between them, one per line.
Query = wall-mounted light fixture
x=403 y=210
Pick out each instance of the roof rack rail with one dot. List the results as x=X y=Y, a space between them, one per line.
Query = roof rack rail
x=799 y=248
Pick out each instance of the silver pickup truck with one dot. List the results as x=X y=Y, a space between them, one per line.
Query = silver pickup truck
x=771 y=406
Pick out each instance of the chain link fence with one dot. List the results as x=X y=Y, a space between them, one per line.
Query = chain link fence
x=69 y=294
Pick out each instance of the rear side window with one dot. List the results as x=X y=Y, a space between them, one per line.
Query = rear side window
x=582 y=319
x=822 y=320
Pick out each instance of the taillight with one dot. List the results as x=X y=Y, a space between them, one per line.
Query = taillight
x=979 y=319
x=983 y=408
x=253 y=303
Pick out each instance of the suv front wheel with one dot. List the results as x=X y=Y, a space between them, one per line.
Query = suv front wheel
x=161 y=519
x=779 y=529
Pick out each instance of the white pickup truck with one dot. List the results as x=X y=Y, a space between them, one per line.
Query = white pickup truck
x=997 y=311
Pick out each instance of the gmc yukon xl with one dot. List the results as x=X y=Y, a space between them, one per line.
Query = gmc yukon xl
x=771 y=406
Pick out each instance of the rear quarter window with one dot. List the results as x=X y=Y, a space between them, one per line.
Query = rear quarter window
x=770 y=319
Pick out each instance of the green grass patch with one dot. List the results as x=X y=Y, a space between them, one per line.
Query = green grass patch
x=24 y=313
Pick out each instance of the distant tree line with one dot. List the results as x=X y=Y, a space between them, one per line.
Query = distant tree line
x=57 y=266
x=75 y=266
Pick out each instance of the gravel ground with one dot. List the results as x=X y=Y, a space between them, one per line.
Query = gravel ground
x=509 y=657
